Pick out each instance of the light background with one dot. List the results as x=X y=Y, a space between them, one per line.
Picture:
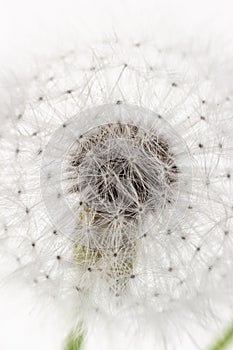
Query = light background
x=28 y=27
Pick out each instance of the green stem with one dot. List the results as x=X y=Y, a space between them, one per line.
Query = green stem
x=223 y=341
x=74 y=341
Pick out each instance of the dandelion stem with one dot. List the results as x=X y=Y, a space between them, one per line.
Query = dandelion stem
x=224 y=340
x=74 y=341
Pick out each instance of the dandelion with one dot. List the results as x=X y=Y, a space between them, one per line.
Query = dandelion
x=116 y=190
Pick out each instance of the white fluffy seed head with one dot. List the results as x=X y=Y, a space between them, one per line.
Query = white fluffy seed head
x=116 y=181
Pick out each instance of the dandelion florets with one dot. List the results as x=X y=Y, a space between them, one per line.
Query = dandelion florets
x=118 y=172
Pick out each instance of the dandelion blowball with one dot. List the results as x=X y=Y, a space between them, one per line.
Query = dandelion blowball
x=116 y=185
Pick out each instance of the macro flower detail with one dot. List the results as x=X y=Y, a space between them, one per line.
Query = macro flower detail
x=116 y=185
x=116 y=177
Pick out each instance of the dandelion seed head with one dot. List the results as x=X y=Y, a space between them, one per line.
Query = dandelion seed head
x=116 y=181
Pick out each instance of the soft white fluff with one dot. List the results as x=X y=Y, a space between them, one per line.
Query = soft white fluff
x=181 y=261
